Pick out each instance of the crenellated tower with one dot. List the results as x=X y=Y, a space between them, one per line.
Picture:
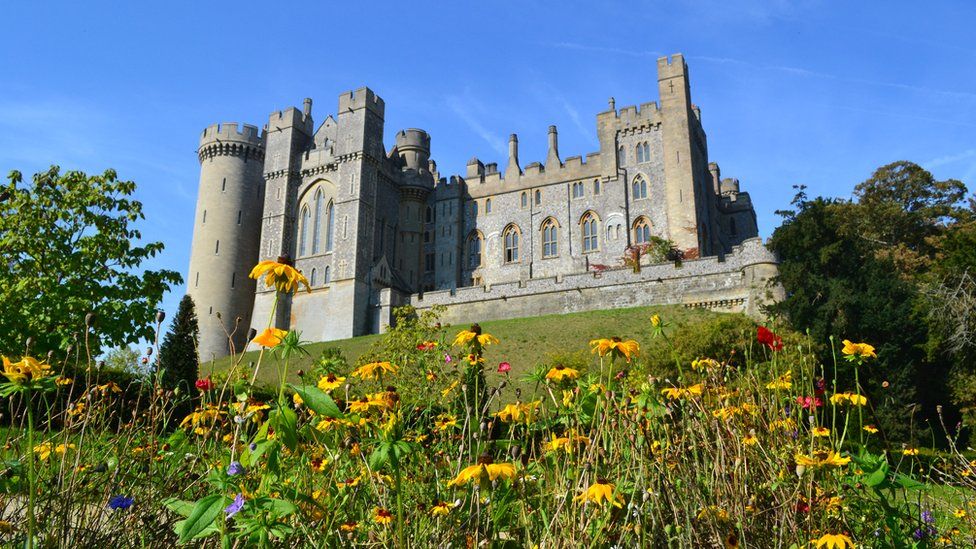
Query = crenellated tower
x=226 y=235
x=417 y=182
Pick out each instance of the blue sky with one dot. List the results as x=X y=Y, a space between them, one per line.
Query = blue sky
x=806 y=92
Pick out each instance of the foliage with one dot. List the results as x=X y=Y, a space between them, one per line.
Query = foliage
x=67 y=243
x=178 y=364
x=123 y=359
x=726 y=338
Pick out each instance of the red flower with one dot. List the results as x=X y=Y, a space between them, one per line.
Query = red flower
x=504 y=368
x=769 y=339
x=205 y=384
x=808 y=402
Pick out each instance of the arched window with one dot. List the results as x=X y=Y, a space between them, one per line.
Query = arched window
x=639 y=188
x=616 y=232
x=578 y=190
x=538 y=197
x=330 y=226
x=327 y=280
x=488 y=206
x=304 y=222
x=550 y=231
x=596 y=186
x=474 y=250
x=647 y=152
x=588 y=226
x=609 y=232
x=311 y=278
x=525 y=199
x=640 y=153
x=317 y=222
x=511 y=238
x=642 y=231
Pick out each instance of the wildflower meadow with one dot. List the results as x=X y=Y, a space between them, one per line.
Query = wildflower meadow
x=431 y=446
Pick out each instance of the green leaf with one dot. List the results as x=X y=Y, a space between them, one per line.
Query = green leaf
x=279 y=507
x=317 y=400
x=179 y=506
x=285 y=423
x=204 y=512
x=380 y=456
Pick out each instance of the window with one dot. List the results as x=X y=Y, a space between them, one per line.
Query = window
x=474 y=250
x=538 y=198
x=217 y=248
x=429 y=263
x=609 y=232
x=311 y=279
x=578 y=190
x=588 y=225
x=621 y=156
x=647 y=152
x=488 y=206
x=429 y=215
x=596 y=186
x=549 y=233
x=196 y=283
x=239 y=213
x=642 y=231
x=525 y=202
x=640 y=153
x=233 y=279
x=511 y=238
x=317 y=223
x=223 y=186
x=330 y=226
x=305 y=220
x=616 y=232
x=204 y=216
x=639 y=188
x=326 y=280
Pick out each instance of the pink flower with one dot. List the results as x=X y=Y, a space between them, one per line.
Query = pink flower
x=808 y=402
x=205 y=384
x=504 y=368
x=447 y=359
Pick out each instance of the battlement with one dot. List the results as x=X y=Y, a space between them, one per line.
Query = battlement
x=412 y=138
x=230 y=131
x=632 y=115
x=671 y=67
x=290 y=117
x=362 y=98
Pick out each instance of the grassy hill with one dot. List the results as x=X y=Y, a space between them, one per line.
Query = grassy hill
x=525 y=342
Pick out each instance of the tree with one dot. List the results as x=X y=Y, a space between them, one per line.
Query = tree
x=178 y=354
x=123 y=359
x=70 y=249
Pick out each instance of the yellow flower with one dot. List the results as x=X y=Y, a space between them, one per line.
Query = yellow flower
x=598 y=492
x=279 y=274
x=750 y=440
x=483 y=471
x=318 y=464
x=297 y=399
x=349 y=526
x=382 y=516
x=560 y=372
x=330 y=382
x=959 y=513
x=440 y=508
x=505 y=471
x=487 y=339
x=474 y=359
x=446 y=391
x=910 y=451
x=786 y=424
x=655 y=321
x=326 y=423
x=784 y=381
x=674 y=393
x=360 y=405
x=834 y=541
x=822 y=459
x=27 y=369
x=373 y=370
x=518 y=412
x=858 y=350
x=853 y=399
x=270 y=337
x=445 y=422
x=871 y=429
x=703 y=364
x=466 y=336
x=714 y=512
x=44 y=450
x=615 y=347
x=61 y=380
x=463 y=337
x=821 y=432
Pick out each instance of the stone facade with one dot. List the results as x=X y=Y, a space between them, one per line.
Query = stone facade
x=372 y=229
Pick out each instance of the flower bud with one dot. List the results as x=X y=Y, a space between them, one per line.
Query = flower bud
x=160 y=316
x=89 y=320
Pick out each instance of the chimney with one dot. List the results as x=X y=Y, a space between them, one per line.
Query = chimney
x=513 y=163
x=307 y=108
x=552 y=158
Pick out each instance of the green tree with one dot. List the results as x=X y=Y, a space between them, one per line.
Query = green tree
x=123 y=359
x=69 y=248
x=178 y=354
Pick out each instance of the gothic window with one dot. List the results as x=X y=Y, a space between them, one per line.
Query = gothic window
x=474 y=250
x=317 y=223
x=511 y=239
x=642 y=231
x=330 y=226
x=578 y=190
x=647 y=152
x=549 y=234
x=525 y=201
x=588 y=225
x=596 y=186
x=538 y=198
x=326 y=280
x=488 y=206
x=639 y=188
x=640 y=153
x=311 y=279
x=304 y=222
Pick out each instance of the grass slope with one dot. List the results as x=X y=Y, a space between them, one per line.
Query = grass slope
x=525 y=342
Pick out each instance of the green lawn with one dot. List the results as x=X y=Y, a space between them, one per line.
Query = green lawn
x=525 y=342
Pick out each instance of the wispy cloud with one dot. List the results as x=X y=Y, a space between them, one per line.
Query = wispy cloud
x=605 y=49
x=949 y=159
x=467 y=110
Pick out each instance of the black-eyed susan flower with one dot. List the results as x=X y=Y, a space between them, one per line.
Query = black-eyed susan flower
x=870 y=429
x=330 y=382
x=474 y=334
x=360 y=405
x=512 y=413
x=910 y=451
x=270 y=337
x=784 y=381
x=853 y=399
x=858 y=351
x=484 y=470
x=440 y=509
x=382 y=516
x=280 y=275
x=560 y=372
x=822 y=459
x=445 y=422
x=615 y=347
x=374 y=370
x=833 y=541
x=600 y=492
x=821 y=432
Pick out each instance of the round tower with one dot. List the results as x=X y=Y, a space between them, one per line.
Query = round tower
x=416 y=184
x=226 y=236
x=414 y=148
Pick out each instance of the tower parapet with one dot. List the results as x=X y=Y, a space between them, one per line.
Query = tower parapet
x=226 y=235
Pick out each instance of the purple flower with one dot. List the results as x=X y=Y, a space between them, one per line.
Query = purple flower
x=120 y=502
x=236 y=506
x=447 y=359
x=252 y=446
x=927 y=517
x=235 y=468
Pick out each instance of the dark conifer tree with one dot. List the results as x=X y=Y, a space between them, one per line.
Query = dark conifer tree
x=178 y=353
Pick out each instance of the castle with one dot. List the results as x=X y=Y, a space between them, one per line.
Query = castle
x=373 y=228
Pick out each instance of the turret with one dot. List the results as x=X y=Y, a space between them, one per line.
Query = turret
x=226 y=236
x=413 y=145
